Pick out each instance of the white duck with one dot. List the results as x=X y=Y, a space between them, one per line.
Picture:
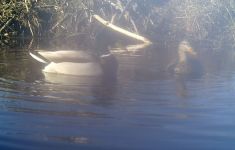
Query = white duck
x=74 y=62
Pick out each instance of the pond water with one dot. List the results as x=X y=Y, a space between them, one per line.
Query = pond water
x=143 y=109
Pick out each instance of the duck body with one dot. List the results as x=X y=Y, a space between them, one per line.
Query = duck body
x=189 y=68
x=72 y=62
x=71 y=68
x=187 y=64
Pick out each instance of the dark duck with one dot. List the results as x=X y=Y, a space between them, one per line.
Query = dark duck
x=187 y=64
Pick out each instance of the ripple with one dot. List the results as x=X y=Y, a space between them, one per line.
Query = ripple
x=143 y=109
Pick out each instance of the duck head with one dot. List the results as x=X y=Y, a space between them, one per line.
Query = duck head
x=185 y=51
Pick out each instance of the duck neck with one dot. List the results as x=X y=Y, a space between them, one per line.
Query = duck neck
x=182 y=57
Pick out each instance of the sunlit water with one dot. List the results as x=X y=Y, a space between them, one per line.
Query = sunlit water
x=143 y=109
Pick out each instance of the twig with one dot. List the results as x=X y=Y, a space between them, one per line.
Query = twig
x=230 y=15
x=135 y=48
x=121 y=30
x=6 y=24
x=129 y=49
x=124 y=10
x=134 y=25
x=27 y=10
x=59 y=22
x=30 y=28
x=48 y=6
x=26 y=6
x=116 y=6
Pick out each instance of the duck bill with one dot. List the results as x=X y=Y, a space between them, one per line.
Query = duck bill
x=192 y=52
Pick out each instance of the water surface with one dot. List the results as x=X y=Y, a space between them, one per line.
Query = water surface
x=144 y=109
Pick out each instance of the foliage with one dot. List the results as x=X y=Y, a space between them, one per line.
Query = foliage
x=165 y=22
x=208 y=23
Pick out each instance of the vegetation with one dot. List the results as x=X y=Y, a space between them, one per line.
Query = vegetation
x=164 y=22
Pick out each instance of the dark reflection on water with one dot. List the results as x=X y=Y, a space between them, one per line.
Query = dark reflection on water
x=144 y=109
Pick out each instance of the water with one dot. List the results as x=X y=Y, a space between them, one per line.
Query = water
x=143 y=109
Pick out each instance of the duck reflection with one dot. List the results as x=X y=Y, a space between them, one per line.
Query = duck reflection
x=106 y=92
x=97 y=90
x=71 y=80
x=181 y=88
